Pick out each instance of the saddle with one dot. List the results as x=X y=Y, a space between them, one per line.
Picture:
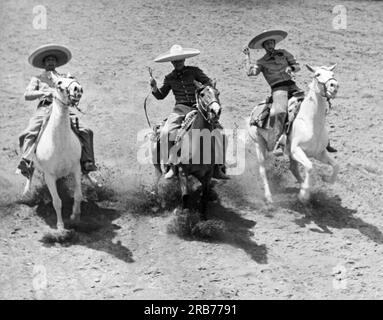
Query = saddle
x=260 y=114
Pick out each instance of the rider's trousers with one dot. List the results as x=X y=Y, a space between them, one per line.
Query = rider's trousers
x=169 y=132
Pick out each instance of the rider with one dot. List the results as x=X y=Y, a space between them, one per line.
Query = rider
x=41 y=87
x=180 y=81
x=277 y=67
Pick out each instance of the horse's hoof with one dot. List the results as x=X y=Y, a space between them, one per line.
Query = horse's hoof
x=177 y=211
x=60 y=227
x=186 y=211
x=303 y=197
x=75 y=217
x=269 y=199
x=213 y=195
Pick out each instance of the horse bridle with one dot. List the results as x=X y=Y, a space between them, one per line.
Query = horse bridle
x=201 y=109
x=325 y=90
x=73 y=102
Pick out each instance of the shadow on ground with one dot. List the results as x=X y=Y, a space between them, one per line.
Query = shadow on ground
x=327 y=211
x=224 y=225
x=96 y=229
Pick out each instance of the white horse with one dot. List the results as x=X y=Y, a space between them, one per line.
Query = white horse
x=308 y=136
x=58 y=149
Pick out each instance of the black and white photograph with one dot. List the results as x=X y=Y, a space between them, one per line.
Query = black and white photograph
x=191 y=150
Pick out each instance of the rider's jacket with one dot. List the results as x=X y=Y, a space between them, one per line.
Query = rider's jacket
x=181 y=83
x=273 y=66
x=41 y=82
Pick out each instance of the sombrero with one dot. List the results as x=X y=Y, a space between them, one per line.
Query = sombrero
x=176 y=52
x=62 y=54
x=277 y=35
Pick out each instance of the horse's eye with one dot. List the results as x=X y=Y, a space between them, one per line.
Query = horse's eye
x=202 y=94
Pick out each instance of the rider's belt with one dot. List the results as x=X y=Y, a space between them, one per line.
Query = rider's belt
x=44 y=103
x=283 y=84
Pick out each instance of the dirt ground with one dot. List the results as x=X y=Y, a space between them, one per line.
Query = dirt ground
x=330 y=249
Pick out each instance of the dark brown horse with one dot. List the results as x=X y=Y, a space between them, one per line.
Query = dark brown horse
x=196 y=158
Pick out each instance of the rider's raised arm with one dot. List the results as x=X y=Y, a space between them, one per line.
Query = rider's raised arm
x=32 y=91
x=291 y=61
x=252 y=69
x=161 y=93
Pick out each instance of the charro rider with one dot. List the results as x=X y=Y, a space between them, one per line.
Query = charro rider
x=41 y=87
x=277 y=67
x=180 y=81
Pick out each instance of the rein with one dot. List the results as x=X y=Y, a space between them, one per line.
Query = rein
x=146 y=99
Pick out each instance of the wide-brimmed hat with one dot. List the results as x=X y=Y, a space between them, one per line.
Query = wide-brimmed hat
x=62 y=54
x=277 y=35
x=176 y=52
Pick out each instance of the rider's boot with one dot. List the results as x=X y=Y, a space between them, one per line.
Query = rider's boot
x=330 y=148
x=219 y=172
x=280 y=146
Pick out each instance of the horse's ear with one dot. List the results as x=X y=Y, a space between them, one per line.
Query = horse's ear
x=214 y=83
x=312 y=69
x=198 y=84
x=332 y=67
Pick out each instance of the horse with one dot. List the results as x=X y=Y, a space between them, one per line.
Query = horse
x=202 y=120
x=307 y=137
x=58 y=150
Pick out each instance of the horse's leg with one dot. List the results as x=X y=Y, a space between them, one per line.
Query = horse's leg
x=158 y=174
x=294 y=169
x=182 y=176
x=298 y=155
x=206 y=190
x=76 y=211
x=325 y=158
x=51 y=183
x=27 y=187
x=260 y=148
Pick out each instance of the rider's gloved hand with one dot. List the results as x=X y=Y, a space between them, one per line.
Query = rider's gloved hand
x=153 y=84
x=48 y=93
x=246 y=51
x=289 y=71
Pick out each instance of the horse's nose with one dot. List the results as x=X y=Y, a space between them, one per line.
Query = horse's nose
x=216 y=110
x=333 y=88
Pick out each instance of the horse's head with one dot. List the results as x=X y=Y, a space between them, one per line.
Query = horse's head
x=68 y=89
x=208 y=101
x=326 y=83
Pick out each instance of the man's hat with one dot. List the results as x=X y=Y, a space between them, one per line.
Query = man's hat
x=277 y=35
x=62 y=54
x=176 y=52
